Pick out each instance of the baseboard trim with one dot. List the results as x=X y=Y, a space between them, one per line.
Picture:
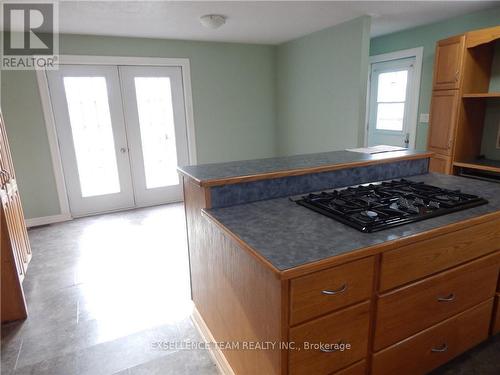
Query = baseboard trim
x=217 y=354
x=44 y=220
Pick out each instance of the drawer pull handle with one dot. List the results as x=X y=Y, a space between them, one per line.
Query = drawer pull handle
x=449 y=298
x=328 y=292
x=334 y=349
x=440 y=348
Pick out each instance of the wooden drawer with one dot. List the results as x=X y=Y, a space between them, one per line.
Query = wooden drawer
x=410 y=309
x=321 y=292
x=348 y=326
x=420 y=259
x=356 y=369
x=495 y=323
x=437 y=345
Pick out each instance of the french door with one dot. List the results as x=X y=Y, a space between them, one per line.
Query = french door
x=122 y=133
x=156 y=126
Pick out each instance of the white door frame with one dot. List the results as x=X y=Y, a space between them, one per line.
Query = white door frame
x=415 y=89
x=43 y=88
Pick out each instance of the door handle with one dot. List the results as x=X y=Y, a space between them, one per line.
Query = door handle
x=123 y=150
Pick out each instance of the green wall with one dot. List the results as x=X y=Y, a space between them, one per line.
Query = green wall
x=29 y=143
x=321 y=89
x=233 y=99
x=427 y=36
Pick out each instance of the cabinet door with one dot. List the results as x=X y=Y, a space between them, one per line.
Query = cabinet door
x=448 y=63
x=440 y=164
x=443 y=118
x=7 y=169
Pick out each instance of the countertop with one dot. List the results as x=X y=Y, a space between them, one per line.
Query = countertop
x=288 y=235
x=219 y=173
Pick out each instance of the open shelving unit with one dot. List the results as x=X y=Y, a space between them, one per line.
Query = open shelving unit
x=461 y=99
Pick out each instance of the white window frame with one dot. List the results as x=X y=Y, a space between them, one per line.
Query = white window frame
x=417 y=53
x=43 y=88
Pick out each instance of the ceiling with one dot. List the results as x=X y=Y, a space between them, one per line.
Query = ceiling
x=266 y=22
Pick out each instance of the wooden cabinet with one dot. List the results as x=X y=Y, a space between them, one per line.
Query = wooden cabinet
x=321 y=292
x=448 y=63
x=346 y=327
x=440 y=164
x=460 y=98
x=444 y=110
x=405 y=306
x=411 y=309
x=16 y=250
x=435 y=346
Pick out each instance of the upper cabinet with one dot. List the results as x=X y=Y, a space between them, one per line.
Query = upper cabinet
x=448 y=63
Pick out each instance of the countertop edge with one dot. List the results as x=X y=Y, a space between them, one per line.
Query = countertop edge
x=299 y=171
x=353 y=255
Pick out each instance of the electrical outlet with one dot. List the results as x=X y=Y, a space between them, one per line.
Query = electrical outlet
x=424 y=118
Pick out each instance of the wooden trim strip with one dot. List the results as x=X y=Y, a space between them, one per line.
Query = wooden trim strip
x=300 y=171
x=354 y=254
x=478 y=166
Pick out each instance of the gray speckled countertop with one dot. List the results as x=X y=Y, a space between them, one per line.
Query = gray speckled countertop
x=204 y=172
x=289 y=235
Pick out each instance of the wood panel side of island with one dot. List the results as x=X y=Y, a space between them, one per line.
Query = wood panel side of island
x=240 y=301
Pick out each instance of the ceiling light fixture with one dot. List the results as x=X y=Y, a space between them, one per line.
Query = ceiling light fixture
x=213 y=21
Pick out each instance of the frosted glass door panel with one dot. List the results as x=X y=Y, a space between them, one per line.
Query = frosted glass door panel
x=156 y=123
x=92 y=133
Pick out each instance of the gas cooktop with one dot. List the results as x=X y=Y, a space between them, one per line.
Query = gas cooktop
x=378 y=206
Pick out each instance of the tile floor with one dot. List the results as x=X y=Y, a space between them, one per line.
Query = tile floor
x=102 y=290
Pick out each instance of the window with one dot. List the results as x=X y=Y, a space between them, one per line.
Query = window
x=391 y=97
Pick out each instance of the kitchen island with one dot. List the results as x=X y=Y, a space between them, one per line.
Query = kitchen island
x=266 y=271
